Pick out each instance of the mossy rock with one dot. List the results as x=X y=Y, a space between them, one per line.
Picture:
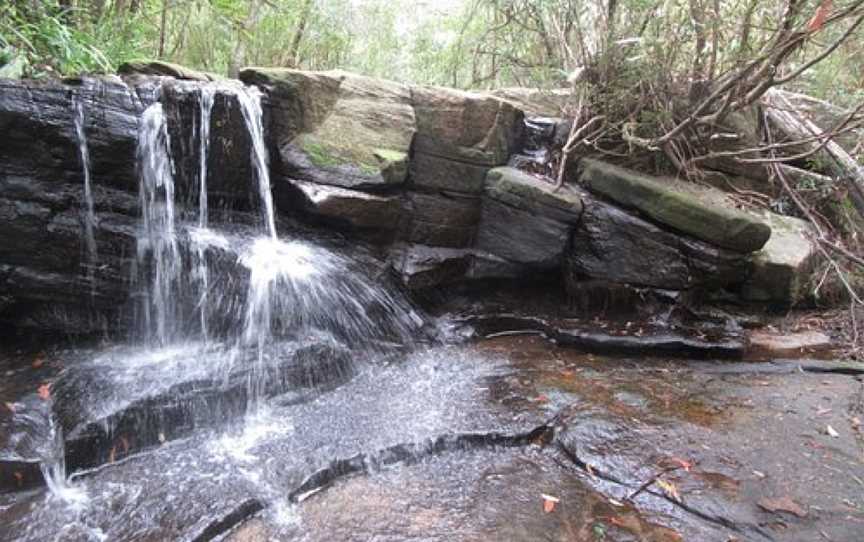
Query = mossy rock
x=354 y=131
x=702 y=216
x=167 y=69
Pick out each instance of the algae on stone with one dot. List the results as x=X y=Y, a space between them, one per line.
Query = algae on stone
x=685 y=212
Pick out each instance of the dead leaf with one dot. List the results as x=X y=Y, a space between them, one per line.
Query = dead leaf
x=19 y=478
x=44 y=392
x=549 y=503
x=39 y=360
x=670 y=489
x=832 y=432
x=683 y=463
x=782 y=504
x=818 y=20
x=856 y=423
x=10 y=406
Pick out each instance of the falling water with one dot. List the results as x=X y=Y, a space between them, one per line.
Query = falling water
x=202 y=269
x=89 y=213
x=250 y=105
x=157 y=244
x=53 y=467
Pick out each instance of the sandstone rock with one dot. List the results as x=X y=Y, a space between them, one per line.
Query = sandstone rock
x=620 y=247
x=433 y=172
x=701 y=215
x=464 y=126
x=354 y=208
x=781 y=270
x=532 y=194
x=772 y=343
x=539 y=102
x=521 y=237
x=425 y=267
x=444 y=220
x=353 y=131
x=168 y=69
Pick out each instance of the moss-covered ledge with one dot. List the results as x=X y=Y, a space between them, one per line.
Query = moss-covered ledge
x=683 y=211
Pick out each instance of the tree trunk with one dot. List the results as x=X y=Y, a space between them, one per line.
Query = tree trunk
x=294 y=53
x=162 y=20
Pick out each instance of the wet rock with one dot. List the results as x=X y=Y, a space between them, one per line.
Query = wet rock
x=444 y=220
x=781 y=271
x=614 y=245
x=168 y=69
x=231 y=177
x=685 y=209
x=350 y=208
x=532 y=194
x=353 y=131
x=521 y=237
x=109 y=409
x=425 y=267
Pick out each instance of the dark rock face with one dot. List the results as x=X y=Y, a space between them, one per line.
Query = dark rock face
x=615 y=245
x=41 y=198
x=522 y=237
x=443 y=220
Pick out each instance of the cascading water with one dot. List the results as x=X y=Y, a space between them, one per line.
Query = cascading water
x=89 y=212
x=230 y=316
x=201 y=237
x=158 y=248
x=249 y=100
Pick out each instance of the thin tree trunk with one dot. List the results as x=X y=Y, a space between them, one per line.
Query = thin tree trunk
x=294 y=54
x=162 y=23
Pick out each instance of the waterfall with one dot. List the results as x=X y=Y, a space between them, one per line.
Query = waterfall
x=158 y=247
x=202 y=270
x=249 y=100
x=89 y=212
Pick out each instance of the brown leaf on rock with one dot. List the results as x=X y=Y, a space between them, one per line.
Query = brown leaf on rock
x=549 y=503
x=782 y=504
x=10 y=406
x=38 y=361
x=44 y=392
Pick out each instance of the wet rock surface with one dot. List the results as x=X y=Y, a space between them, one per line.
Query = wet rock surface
x=626 y=449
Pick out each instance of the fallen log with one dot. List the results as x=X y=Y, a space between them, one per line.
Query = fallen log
x=794 y=124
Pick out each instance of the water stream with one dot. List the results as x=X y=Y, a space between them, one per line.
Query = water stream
x=89 y=212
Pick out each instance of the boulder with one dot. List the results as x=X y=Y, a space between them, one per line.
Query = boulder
x=167 y=69
x=436 y=173
x=533 y=194
x=781 y=271
x=353 y=131
x=520 y=236
x=425 y=267
x=464 y=126
x=540 y=102
x=349 y=207
x=680 y=206
x=444 y=220
x=620 y=247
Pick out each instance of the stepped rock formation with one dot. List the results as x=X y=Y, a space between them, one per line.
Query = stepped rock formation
x=419 y=172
